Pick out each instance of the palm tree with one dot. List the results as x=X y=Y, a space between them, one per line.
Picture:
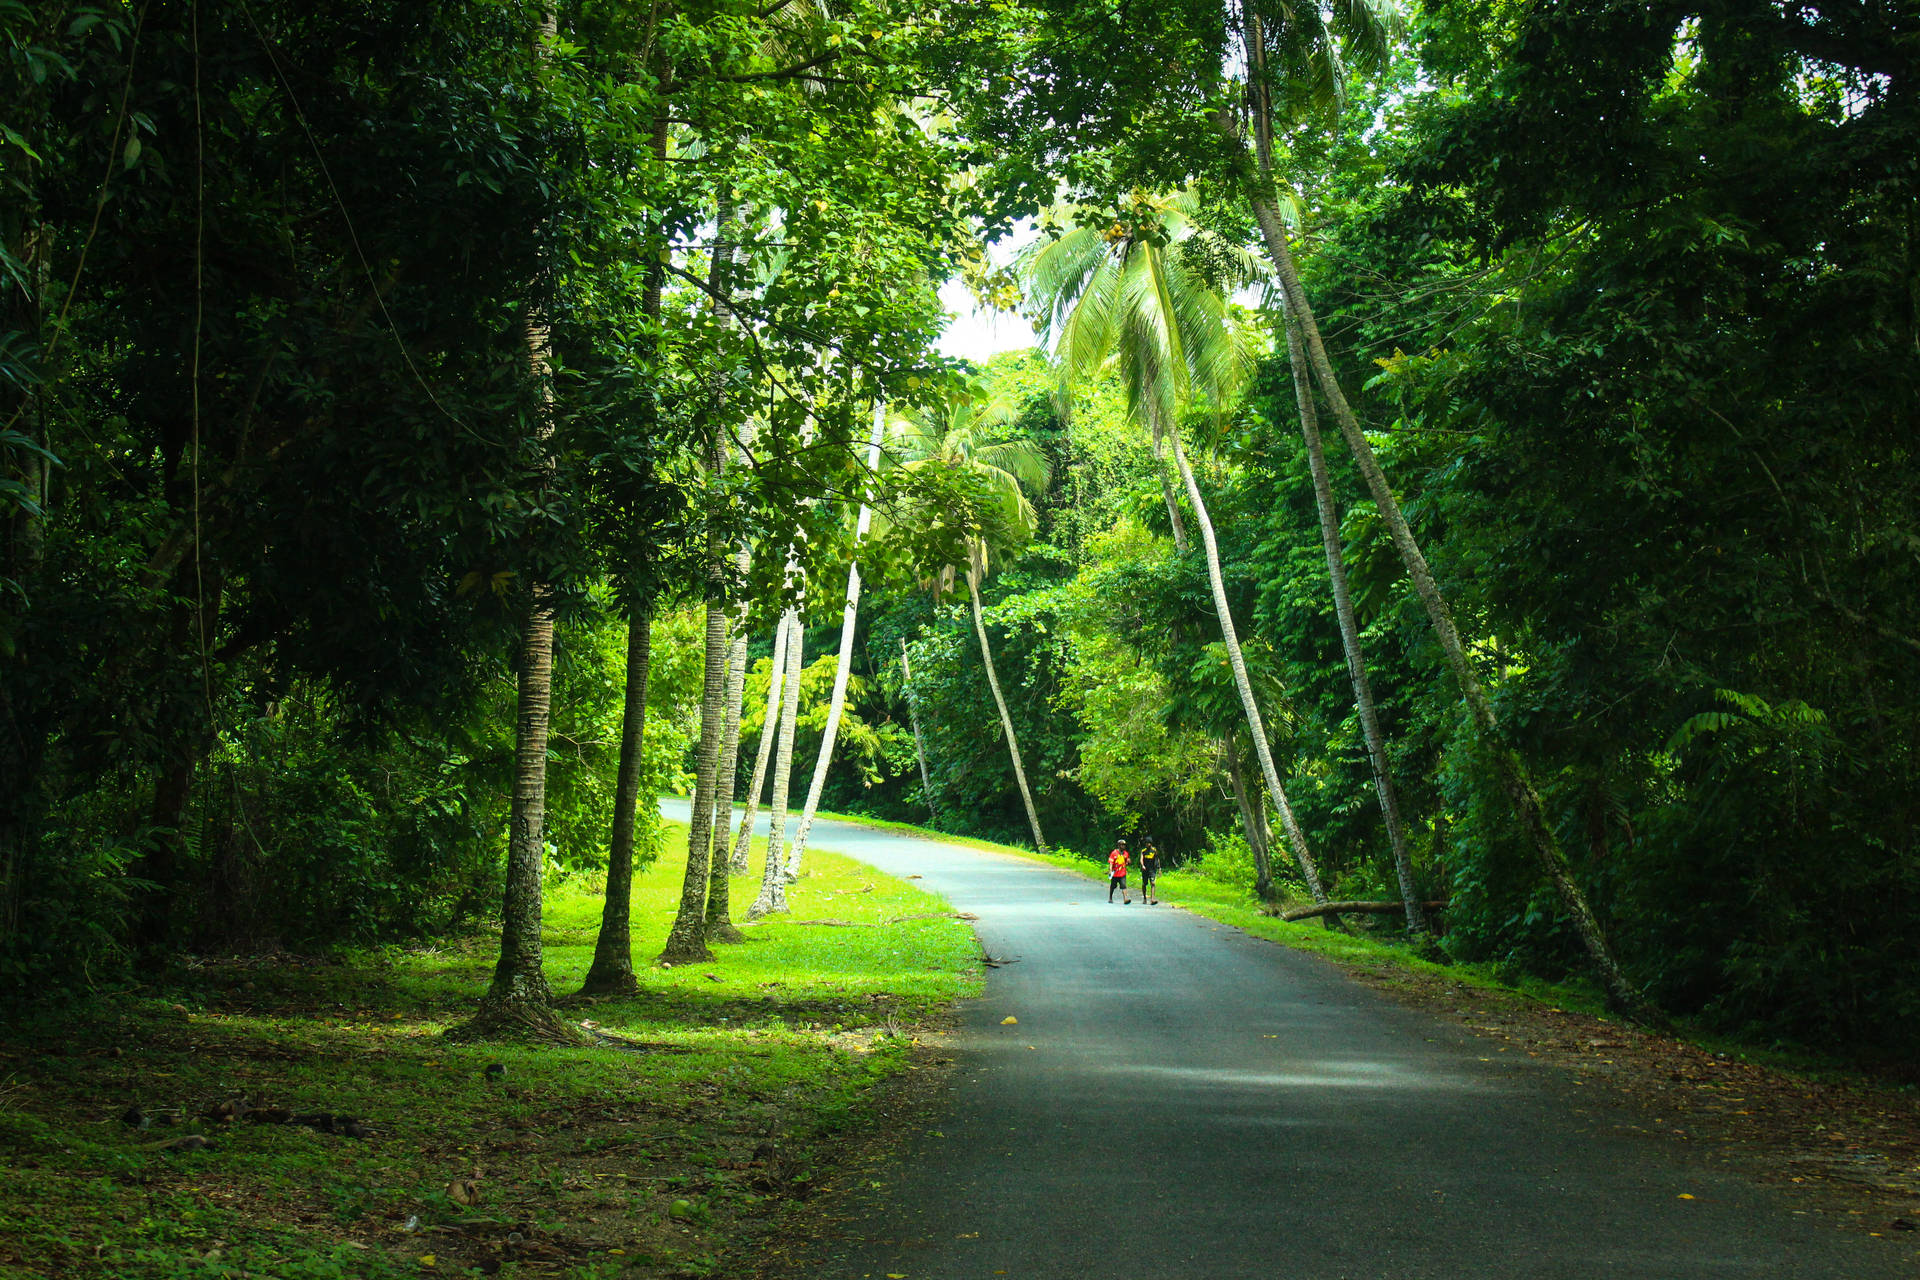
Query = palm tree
x=769 y=729
x=719 y=865
x=519 y=996
x=1363 y=700
x=1292 y=60
x=1151 y=297
x=773 y=884
x=919 y=743
x=838 y=705
x=970 y=440
x=687 y=940
x=612 y=970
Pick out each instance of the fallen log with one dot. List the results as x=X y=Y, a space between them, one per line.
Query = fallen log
x=1354 y=909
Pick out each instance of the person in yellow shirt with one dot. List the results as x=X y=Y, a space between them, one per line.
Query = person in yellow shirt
x=1149 y=873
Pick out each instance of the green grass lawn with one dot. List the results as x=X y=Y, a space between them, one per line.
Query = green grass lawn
x=582 y=1161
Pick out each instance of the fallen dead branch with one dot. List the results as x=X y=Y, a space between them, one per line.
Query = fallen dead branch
x=1353 y=909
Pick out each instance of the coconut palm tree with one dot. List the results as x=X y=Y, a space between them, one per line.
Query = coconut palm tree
x=773 y=884
x=971 y=440
x=719 y=865
x=769 y=730
x=1292 y=60
x=687 y=940
x=838 y=705
x=1149 y=296
x=919 y=743
x=1350 y=641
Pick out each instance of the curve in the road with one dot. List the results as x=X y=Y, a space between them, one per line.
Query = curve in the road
x=1179 y=1099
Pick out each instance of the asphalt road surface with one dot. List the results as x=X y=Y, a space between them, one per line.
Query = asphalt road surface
x=1180 y=1099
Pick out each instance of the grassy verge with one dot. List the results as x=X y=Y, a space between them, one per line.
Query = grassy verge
x=576 y=1162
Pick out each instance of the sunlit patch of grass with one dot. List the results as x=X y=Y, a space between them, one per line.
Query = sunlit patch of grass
x=640 y=1160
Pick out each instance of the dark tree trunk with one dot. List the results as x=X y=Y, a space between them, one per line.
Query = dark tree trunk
x=519 y=976
x=1350 y=636
x=919 y=743
x=612 y=969
x=688 y=938
x=1515 y=779
x=1252 y=822
x=719 y=865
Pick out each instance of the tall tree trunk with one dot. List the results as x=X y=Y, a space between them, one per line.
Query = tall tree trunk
x=773 y=883
x=687 y=940
x=720 y=866
x=612 y=970
x=919 y=744
x=1252 y=821
x=849 y=615
x=519 y=999
x=518 y=977
x=695 y=920
x=1515 y=779
x=1350 y=637
x=999 y=701
x=1256 y=726
x=1173 y=503
x=769 y=730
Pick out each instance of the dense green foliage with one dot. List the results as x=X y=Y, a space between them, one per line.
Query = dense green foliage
x=289 y=290
x=1627 y=295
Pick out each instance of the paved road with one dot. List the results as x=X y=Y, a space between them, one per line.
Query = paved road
x=1179 y=1099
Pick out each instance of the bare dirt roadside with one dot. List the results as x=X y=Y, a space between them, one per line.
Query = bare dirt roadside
x=1850 y=1146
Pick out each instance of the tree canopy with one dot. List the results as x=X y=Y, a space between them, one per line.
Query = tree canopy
x=344 y=346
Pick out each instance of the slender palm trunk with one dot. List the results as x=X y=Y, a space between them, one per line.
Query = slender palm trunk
x=1256 y=727
x=837 y=707
x=719 y=865
x=519 y=981
x=1515 y=778
x=773 y=884
x=1252 y=821
x=687 y=940
x=696 y=919
x=519 y=994
x=1350 y=638
x=769 y=730
x=1173 y=504
x=612 y=970
x=1006 y=720
x=919 y=744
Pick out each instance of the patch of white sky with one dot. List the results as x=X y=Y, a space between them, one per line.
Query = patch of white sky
x=977 y=332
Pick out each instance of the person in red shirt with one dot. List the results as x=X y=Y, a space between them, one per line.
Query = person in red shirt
x=1117 y=874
